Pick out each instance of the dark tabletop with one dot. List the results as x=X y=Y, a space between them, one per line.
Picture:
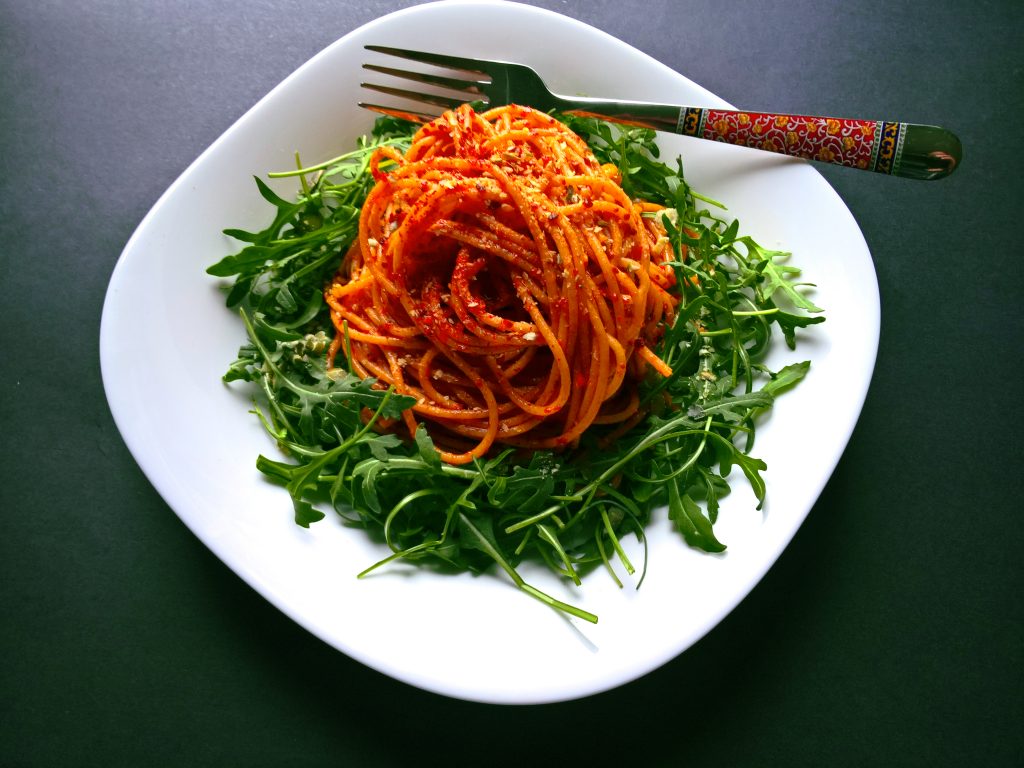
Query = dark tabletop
x=889 y=632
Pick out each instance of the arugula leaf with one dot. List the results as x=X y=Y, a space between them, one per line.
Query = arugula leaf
x=779 y=277
x=787 y=377
x=306 y=513
x=528 y=489
x=690 y=521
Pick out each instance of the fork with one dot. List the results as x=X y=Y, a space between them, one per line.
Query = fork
x=908 y=150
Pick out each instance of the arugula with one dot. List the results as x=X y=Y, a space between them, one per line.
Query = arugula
x=571 y=510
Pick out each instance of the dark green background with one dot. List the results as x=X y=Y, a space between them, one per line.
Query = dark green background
x=890 y=631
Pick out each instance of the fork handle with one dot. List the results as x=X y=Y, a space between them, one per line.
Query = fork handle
x=901 y=149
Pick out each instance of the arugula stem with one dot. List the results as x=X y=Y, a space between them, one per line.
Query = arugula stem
x=648 y=441
x=615 y=542
x=483 y=542
x=564 y=607
x=416 y=465
x=335 y=161
x=406 y=500
x=533 y=520
x=598 y=541
x=545 y=533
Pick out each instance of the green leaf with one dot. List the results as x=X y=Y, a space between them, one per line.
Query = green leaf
x=425 y=447
x=246 y=259
x=789 y=323
x=528 y=489
x=273 y=198
x=714 y=488
x=240 y=291
x=730 y=233
x=477 y=532
x=778 y=278
x=306 y=513
x=690 y=521
x=368 y=474
x=381 y=446
x=241 y=234
x=787 y=378
x=752 y=468
x=272 y=332
x=276 y=470
x=738 y=405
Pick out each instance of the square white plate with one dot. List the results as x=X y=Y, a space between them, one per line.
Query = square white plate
x=166 y=339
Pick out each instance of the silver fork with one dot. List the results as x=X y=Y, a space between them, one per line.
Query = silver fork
x=909 y=150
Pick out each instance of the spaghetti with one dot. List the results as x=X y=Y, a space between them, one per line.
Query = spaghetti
x=503 y=279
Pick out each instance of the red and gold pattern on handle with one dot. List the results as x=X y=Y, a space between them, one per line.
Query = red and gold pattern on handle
x=864 y=144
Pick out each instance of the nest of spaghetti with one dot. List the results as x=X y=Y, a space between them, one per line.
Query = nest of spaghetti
x=503 y=278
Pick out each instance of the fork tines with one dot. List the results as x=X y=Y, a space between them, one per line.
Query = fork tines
x=471 y=90
x=441 y=60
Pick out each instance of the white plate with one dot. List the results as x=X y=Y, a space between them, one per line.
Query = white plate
x=166 y=338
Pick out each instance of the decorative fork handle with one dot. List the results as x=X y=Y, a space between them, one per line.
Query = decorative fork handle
x=900 y=149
